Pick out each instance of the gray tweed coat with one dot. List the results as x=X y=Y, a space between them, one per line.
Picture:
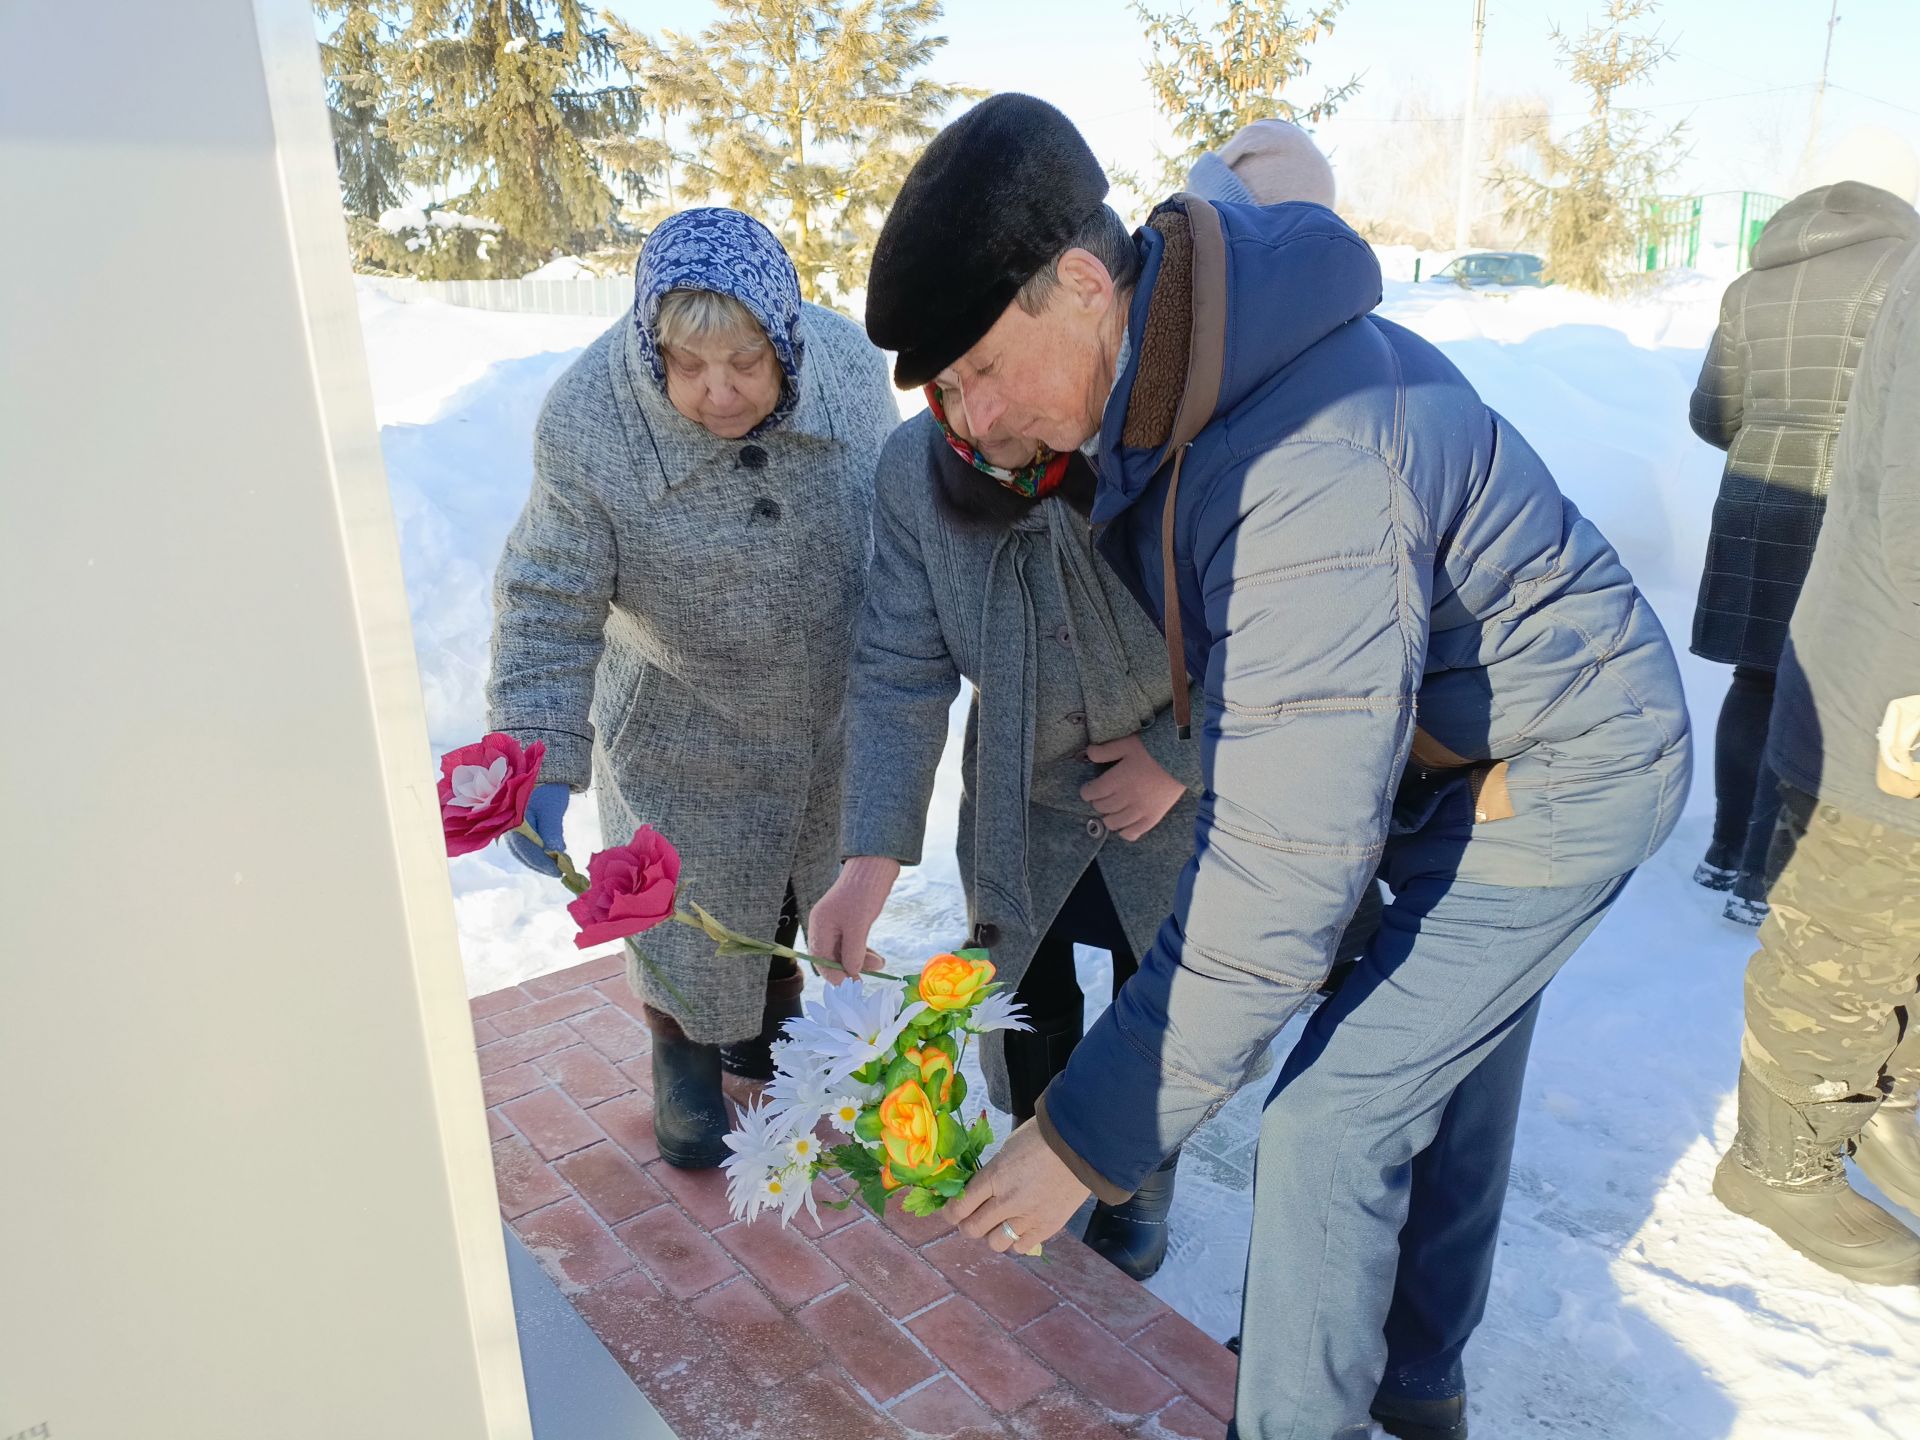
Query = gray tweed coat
x=1772 y=394
x=1060 y=656
x=674 y=617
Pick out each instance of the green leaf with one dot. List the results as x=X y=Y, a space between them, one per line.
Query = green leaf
x=951 y=1137
x=977 y=953
x=899 y=1072
x=867 y=1127
x=959 y=1089
x=921 y=1201
x=874 y=1193
x=948 y=1184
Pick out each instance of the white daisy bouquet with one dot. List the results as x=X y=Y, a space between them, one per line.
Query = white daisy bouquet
x=879 y=1060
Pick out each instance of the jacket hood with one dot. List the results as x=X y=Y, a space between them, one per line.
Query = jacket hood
x=1267 y=284
x=1832 y=218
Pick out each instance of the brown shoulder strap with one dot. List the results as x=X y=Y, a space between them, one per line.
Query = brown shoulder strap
x=1170 y=599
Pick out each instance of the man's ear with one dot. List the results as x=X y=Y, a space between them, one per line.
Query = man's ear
x=1085 y=279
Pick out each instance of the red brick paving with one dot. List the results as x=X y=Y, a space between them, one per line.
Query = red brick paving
x=843 y=1327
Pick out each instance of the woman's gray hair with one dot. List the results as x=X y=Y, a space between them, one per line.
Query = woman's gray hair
x=689 y=315
x=1103 y=235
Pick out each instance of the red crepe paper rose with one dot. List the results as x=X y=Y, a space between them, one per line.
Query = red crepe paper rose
x=484 y=790
x=631 y=890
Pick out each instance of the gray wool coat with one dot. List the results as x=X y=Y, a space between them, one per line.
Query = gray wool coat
x=1772 y=394
x=1060 y=656
x=674 y=618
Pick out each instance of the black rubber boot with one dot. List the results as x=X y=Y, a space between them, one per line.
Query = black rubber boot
x=689 y=1113
x=753 y=1059
x=1409 y=1419
x=1035 y=1056
x=1133 y=1236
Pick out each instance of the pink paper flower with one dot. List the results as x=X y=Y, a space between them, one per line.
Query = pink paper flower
x=632 y=889
x=484 y=790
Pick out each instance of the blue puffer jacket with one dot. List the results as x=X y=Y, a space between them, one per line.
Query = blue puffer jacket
x=1358 y=543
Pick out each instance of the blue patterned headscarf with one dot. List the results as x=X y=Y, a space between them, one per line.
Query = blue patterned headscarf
x=730 y=254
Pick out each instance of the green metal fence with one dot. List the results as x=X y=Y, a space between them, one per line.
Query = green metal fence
x=1674 y=226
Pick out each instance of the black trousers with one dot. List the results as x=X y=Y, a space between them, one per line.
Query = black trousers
x=1050 y=987
x=1745 y=790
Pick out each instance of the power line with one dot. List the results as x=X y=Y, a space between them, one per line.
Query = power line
x=1862 y=95
x=1578 y=114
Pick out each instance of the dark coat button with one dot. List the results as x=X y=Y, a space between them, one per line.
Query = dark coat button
x=1064 y=636
x=1096 y=829
x=1075 y=717
x=754 y=458
x=986 y=935
x=764 y=509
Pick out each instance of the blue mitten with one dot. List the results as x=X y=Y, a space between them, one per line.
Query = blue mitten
x=546 y=813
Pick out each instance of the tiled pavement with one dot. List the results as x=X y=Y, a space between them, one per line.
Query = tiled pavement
x=851 y=1328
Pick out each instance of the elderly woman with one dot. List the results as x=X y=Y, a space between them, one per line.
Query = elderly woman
x=675 y=614
x=1772 y=394
x=1078 y=807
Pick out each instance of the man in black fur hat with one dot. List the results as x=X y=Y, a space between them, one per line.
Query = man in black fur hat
x=1333 y=532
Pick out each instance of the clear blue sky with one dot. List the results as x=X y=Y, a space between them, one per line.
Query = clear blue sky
x=1087 y=57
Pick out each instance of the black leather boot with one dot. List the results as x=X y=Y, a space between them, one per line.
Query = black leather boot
x=1444 y=1418
x=753 y=1059
x=689 y=1113
x=1133 y=1236
x=1035 y=1056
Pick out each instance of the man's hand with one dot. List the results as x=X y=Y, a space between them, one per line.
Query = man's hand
x=1135 y=793
x=838 y=927
x=1025 y=1190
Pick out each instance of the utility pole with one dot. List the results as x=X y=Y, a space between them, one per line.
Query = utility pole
x=1819 y=101
x=1467 y=200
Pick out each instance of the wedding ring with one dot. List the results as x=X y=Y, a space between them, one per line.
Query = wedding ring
x=1011 y=1233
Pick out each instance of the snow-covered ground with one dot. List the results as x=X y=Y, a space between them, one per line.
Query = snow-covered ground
x=1627 y=1304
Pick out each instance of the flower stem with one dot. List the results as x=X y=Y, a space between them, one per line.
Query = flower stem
x=569 y=877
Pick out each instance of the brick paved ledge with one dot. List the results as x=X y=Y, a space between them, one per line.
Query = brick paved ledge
x=849 y=1328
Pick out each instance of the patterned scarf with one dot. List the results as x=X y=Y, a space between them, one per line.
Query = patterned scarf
x=1042 y=476
x=730 y=254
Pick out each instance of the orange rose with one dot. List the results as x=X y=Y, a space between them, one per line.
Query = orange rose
x=935 y=1066
x=909 y=1128
x=950 y=983
x=887 y=1182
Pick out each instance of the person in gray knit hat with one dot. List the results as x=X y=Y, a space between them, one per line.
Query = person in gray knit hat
x=1335 y=535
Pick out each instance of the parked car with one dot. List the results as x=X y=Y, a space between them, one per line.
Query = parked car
x=1493 y=267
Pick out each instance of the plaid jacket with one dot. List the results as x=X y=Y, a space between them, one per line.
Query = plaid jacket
x=1772 y=394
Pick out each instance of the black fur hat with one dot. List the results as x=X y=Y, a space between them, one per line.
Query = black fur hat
x=997 y=195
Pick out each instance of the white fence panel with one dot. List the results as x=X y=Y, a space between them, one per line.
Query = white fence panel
x=605 y=295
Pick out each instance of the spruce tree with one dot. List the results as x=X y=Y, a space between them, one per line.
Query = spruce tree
x=805 y=115
x=1587 y=203
x=357 y=55
x=524 y=103
x=1210 y=82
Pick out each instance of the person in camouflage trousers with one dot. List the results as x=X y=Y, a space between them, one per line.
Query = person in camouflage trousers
x=1830 y=1062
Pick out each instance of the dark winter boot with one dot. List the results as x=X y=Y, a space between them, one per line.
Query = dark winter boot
x=1888 y=1152
x=1784 y=1171
x=1444 y=1418
x=753 y=1059
x=1133 y=1235
x=1035 y=1056
x=689 y=1113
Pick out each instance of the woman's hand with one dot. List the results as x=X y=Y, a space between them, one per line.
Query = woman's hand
x=1135 y=793
x=546 y=813
x=837 y=929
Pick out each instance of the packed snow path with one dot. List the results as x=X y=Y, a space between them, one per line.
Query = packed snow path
x=1627 y=1304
